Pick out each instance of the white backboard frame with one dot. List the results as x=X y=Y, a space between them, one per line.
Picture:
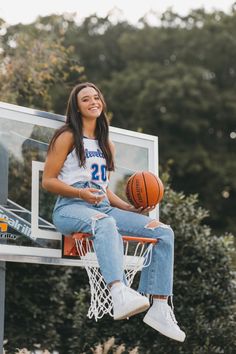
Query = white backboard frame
x=29 y=254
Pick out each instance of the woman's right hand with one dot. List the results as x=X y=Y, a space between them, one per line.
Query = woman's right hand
x=92 y=195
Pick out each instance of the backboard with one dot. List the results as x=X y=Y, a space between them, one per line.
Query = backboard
x=26 y=230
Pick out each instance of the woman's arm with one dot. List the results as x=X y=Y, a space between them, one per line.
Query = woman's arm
x=55 y=159
x=117 y=202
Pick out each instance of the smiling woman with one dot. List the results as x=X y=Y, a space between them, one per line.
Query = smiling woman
x=79 y=162
x=85 y=132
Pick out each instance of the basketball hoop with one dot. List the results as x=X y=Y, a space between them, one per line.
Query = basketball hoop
x=137 y=254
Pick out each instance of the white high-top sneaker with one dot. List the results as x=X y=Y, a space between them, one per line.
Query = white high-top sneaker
x=161 y=317
x=127 y=302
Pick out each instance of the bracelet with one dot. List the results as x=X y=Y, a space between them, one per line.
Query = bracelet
x=79 y=196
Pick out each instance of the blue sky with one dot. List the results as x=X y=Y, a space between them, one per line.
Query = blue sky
x=26 y=11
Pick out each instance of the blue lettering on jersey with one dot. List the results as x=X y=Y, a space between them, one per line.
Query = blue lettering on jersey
x=97 y=173
x=90 y=153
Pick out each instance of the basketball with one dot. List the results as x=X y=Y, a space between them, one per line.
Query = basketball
x=144 y=189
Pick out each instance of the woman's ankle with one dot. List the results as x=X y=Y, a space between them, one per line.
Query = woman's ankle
x=160 y=297
x=115 y=283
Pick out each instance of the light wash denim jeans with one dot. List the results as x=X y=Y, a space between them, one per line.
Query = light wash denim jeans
x=107 y=224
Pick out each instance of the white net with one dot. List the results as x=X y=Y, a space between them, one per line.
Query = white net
x=137 y=254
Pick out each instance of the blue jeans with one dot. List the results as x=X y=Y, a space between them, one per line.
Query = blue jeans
x=107 y=224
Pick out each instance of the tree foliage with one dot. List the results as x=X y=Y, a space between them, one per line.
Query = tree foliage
x=35 y=65
x=35 y=307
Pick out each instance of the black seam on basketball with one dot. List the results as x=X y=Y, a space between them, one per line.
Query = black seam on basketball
x=135 y=201
x=128 y=190
x=159 y=189
x=145 y=185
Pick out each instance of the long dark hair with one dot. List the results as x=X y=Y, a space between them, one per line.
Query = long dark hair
x=74 y=124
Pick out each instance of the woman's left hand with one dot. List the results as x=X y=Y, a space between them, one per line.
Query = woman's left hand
x=140 y=210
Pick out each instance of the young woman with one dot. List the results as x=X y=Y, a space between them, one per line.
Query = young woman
x=79 y=162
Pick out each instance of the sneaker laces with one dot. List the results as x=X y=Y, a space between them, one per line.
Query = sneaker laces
x=172 y=315
x=171 y=311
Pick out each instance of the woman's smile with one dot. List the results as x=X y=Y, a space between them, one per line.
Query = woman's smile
x=89 y=102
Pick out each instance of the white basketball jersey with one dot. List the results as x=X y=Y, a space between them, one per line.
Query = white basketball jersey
x=95 y=169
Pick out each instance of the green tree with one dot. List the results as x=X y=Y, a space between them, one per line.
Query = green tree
x=96 y=41
x=178 y=105
x=35 y=307
x=178 y=82
x=35 y=65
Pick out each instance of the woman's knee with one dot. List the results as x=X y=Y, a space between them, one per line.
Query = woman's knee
x=106 y=223
x=161 y=231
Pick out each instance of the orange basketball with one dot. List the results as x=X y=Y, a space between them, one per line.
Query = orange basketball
x=144 y=189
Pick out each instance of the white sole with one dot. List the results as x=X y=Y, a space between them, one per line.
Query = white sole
x=133 y=312
x=154 y=325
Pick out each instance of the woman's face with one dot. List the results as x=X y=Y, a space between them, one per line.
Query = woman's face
x=89 y=103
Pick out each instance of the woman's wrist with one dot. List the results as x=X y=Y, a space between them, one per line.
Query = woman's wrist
x=127 y=206
x=79 y=193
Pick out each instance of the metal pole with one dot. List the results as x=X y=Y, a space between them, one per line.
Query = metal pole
x=4 y=164
x=2 y=302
